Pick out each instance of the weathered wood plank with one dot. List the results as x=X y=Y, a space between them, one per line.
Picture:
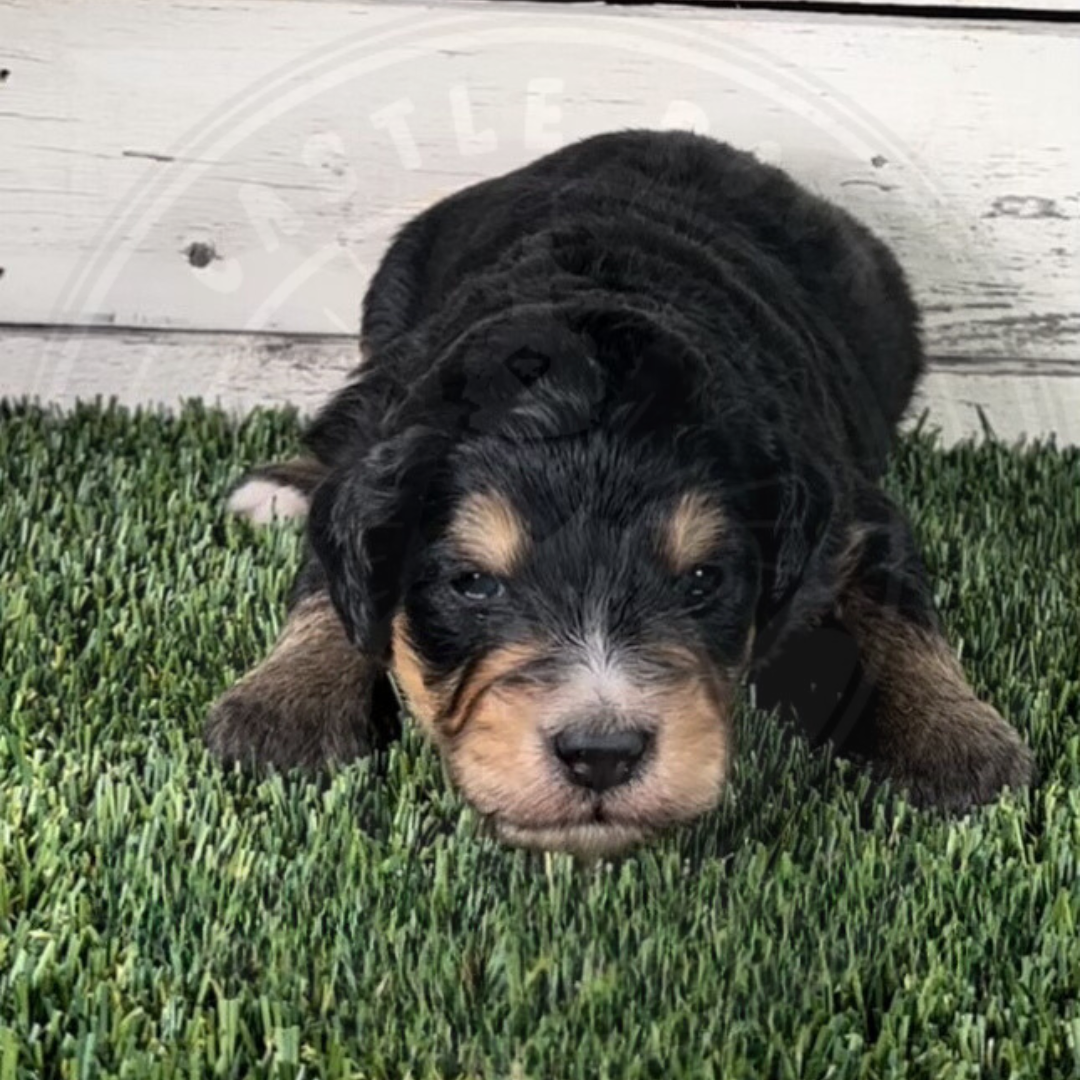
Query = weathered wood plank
x=240 y=165
x=240 y=371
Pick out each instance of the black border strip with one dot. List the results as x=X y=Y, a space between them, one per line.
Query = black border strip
x=982 y=13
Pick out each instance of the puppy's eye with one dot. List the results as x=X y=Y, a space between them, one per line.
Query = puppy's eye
x=478 y=587
x=703 y=582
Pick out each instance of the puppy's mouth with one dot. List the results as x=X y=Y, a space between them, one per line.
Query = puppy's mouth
x=595 y=830
x=583 y=838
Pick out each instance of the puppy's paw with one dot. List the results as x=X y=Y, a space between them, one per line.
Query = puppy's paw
x=262 y=502
x=276 y=492
x=962 y=757
x=249 y=726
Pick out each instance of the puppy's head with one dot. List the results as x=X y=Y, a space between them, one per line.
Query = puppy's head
x=569 y=629
x=568 y=608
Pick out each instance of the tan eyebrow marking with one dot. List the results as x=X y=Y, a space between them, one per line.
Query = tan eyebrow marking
x=488 y=532
x=692 y=532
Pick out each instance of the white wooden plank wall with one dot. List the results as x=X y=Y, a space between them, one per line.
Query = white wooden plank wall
x=169 y=169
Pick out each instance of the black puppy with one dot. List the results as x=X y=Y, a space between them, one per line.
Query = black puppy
x=614 y=446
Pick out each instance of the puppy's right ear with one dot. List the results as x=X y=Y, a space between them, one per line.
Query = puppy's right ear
x=364 y=526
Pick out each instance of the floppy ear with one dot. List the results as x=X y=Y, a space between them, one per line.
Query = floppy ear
x=363 y=527
x=804 y=512
x=790 y=505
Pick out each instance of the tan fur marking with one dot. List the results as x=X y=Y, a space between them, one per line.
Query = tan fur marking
x=305 y=703
x=314 y=630
x=693 y=531
x=488 y=531
x=942 y=743
x=501 y=761
x=694 y=749
x=411 y=676
x=924 y=689
x=303 y=473
x=428 y=703
x=484 y=680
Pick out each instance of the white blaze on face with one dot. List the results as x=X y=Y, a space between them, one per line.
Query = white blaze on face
x=599 y=680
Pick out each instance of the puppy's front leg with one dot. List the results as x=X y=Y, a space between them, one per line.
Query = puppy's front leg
x=927 y=731
x=308 y=703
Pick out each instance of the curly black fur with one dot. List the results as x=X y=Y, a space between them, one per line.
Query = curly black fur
x=663 y=287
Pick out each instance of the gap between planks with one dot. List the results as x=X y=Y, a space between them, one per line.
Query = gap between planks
x=242 y=371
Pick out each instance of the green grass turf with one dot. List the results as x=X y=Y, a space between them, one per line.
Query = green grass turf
x=161 y=918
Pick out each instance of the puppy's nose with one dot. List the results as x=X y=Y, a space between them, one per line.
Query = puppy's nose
x=601 y=760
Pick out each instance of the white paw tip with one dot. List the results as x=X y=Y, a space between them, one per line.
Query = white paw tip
x=263 y=501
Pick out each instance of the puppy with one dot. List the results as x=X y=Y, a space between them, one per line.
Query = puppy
x=613 y=448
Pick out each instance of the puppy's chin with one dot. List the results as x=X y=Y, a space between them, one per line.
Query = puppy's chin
x=585 y=840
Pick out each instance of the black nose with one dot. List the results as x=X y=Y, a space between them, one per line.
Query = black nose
x=601 y=760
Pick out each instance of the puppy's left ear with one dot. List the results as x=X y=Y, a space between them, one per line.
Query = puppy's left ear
x=806 y=503
x=363 y=527
x=793 y=510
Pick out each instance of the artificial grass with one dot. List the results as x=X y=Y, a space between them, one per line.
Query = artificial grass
x=162 y=918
